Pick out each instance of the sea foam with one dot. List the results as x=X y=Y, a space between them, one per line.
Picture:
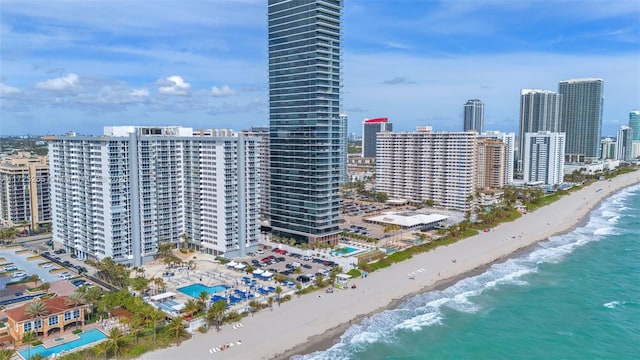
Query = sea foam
x=424 y=310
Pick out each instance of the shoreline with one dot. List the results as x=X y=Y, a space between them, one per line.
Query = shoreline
x=314 y=322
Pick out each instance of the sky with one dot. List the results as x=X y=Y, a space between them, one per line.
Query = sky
x=71 y=65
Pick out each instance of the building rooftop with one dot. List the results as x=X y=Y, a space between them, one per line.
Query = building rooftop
x=55 y=305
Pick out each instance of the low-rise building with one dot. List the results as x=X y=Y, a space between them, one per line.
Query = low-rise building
x=59 y=318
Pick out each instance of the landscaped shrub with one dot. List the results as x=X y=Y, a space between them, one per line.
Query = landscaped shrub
x=77 y=331
x=138 y=350
x=203 y=329
x=36 y=343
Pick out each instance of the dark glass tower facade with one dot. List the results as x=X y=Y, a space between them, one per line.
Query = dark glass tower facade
x=581 y=117
x=474 y=115
x=307 y=134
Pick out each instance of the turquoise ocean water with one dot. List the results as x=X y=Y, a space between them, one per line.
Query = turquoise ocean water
x=576 y=296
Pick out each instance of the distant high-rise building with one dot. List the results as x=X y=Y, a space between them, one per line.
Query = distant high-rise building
x=509 y=140
x=370 y=130
x=307 y=133
x=609 y=148
x=121 y=194
x=474 y=115
x=490 y=163
x=24 y=191
x=634 y=124
x=544 y=157
x=428 y=166
x=581 y=117
x=624 y=144
x=539 y=111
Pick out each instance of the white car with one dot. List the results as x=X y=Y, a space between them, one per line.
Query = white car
x=46 y=266
x=65 y=276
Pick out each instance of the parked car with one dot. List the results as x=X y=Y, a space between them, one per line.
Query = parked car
x=60 y=251
x=307 y=266
x=18 y=274
x=19 y=294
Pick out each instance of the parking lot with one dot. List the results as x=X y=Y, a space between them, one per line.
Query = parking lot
x=285 y=263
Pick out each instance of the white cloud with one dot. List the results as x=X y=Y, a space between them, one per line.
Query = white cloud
x=8 y=90
x=59 y=84
x=174 y=85
x=222 y=91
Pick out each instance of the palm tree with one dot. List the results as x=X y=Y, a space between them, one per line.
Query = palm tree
x=114 y=340
x=298 y=288
x=253 y=306
x=270 y=302
x=216 y=312
x=202 y=300
x=34 y=278
x=155 y=316
x=278 y=293
x=76 y=299
x=45 y=286
x=176 y=326
x=27 y=338
x=137 y=323
x=7 y=354
x=102 y=348
x=159 y=284
x=37 y=356
x=36 y=310
x=190 y=307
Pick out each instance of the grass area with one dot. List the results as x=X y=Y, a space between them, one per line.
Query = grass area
x=23 y=252
x=34 y=257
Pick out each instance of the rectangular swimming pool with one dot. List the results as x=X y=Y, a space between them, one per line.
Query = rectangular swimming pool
x=343 y=251
x=89 y=337
x=194 y=290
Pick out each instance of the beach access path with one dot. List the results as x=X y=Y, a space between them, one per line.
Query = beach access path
x=312 y=321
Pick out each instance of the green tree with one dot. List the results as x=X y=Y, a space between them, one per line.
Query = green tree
x=155 y=316
x=76 y=299
x=7 y=354
x=216 y=313
x=278 y=293
x=203 y=297
x=115 y=339
x=27 y=338
x=270 y=302
x=176 y=326
x=36 y=310
x=253 y=306
x=137 y=323
x=190 y=307
x=34 y=279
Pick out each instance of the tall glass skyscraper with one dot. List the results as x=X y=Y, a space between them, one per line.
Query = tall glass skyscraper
x=474 y=115
x=634 y=124
x=581 y=117
x=307 y=133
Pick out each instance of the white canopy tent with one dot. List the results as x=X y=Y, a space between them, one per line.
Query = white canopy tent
x=232 y=264
x=239 y=266
x=257 y=271
x=266 y=274
x=163 y=296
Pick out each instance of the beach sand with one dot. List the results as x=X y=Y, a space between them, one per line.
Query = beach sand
x=313 y=321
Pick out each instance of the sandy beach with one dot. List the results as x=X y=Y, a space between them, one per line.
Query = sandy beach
x=313 y=321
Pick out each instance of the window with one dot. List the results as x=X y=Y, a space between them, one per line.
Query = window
x=53 y=320
x=27 y=326
x=67 y=315
x=38 y=323
x=76 y=313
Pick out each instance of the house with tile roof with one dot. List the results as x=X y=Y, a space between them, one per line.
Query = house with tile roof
x=59 y=317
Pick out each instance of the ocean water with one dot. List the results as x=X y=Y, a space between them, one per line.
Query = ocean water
x=576 y=296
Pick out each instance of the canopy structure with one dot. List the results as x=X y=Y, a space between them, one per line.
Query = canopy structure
x=257 y=271
x=266 y=274
x=239 y=266
x=232 y=264
x=163 y=296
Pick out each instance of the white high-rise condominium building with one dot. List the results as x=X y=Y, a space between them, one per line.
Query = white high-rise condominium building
x=121 y=194
x=263 y=157
x=539 y=111
x=634 y=124
x=609 y=148
x=509 y=140
x=544 y=157
x=427 y=166
x=624 y=143
x=474 y=115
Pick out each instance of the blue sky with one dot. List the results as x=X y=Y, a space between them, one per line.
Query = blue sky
x=80 y=65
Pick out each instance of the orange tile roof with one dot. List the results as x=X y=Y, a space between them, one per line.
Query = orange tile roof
x=55 y=305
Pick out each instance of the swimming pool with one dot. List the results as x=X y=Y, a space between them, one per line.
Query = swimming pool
x=343 y=251
x=88 y=337
x=194 y=290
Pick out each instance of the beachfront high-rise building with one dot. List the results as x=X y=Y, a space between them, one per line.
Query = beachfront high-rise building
x=624 y=143
x=490 y=163
x=24 y=191
x=307 y=133
x=581 y=117
x=474 y=115
x=609 y=148
x=539 y=111
x=370 y=130
x=121 y=194
x=634 y=124
x=509 y=140
x=428 y=166
x=263 y=171
x=544 y=157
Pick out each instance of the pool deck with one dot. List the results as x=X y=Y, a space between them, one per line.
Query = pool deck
x=68 y=335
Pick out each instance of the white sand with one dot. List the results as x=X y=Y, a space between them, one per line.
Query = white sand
x=310 y=319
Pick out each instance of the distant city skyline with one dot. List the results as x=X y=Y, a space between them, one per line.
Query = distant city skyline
x=81 y=66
